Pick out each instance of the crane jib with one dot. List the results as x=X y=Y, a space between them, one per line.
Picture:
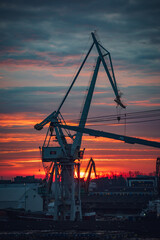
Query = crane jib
x=96 y=133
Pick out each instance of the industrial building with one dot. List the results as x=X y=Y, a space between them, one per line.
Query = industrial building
x=20 y=198
x=142 y=181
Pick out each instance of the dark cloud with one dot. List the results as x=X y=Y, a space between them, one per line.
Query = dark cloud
x=21 y=99
x=6 y=165
x=46 y=99
x=62 y=28
x=142 y=92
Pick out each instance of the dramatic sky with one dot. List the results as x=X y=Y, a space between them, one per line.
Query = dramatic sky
x=42 y=44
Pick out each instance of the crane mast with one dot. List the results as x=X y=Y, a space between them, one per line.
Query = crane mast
x=65 y=158
x=78 y=138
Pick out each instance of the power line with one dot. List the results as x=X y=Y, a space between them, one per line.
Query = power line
x=133 y=115
x=126 y=123
x=125 y=117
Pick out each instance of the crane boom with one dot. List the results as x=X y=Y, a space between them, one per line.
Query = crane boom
x=78 y=139
x=112 y=81
x=126 y=139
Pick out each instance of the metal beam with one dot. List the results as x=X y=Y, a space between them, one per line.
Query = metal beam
x=126 y=139
x=78 y=138
x=74 y=79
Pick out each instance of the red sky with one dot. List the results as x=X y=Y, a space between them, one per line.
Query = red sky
x=20 y=154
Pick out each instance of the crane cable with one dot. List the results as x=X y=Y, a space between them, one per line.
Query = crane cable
x=125 y=124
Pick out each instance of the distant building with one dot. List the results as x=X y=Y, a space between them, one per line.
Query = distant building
x=27 y=179
x=2 y=181
x=142 y=182
x=92 y=186
x=20 y=198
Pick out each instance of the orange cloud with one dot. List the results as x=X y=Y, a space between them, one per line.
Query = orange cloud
x=20 y=137
x=19 y=119
x=19 y=151
x=145 y=103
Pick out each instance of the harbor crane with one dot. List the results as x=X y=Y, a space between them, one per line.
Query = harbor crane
x=66 y=157
x=91 y=165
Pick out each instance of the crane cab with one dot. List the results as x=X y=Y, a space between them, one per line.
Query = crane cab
x=52 y=153
x=56 y=153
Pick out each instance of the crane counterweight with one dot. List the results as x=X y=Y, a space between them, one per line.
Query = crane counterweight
x=38 y=127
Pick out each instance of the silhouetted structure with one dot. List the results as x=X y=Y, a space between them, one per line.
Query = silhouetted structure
x=158 y=174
